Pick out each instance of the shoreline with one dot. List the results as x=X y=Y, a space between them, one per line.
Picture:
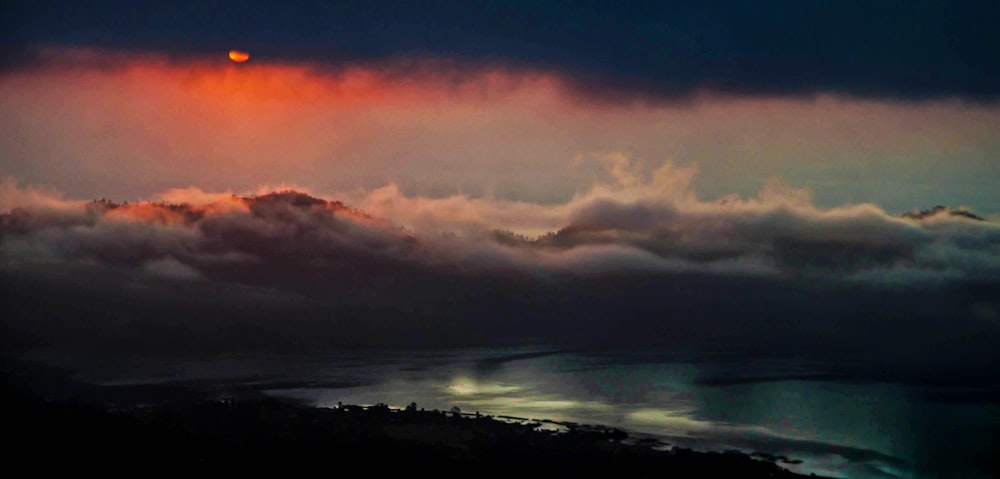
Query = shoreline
x=114 y=427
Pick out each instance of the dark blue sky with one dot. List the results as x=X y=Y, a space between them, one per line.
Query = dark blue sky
x=905 y=49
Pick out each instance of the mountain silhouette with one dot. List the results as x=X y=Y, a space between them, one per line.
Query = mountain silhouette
x=941 y=210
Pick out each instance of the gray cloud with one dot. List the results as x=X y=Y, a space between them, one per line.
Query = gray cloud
x=656 y=226
x=635 y=261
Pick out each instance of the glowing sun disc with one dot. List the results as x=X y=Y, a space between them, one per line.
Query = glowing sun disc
x=238 y=56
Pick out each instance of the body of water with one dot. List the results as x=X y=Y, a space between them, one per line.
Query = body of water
x=836 y=424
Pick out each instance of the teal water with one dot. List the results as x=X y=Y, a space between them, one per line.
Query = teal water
x=839 y=426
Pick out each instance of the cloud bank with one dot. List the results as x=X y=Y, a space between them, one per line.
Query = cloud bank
x=779 y=232
x=635 y=261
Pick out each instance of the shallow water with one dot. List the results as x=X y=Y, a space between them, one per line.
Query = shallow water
x=836 y=425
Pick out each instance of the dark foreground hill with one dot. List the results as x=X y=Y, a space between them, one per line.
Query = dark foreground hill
x=256 y=435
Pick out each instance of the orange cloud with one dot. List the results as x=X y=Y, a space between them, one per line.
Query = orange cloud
x=150 y=213
x=439 y=129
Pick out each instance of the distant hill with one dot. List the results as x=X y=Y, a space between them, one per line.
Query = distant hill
x=941 y=210
x=276 y=204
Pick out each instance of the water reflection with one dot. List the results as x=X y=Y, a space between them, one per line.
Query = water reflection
x=519 y=401
x=470 y=388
